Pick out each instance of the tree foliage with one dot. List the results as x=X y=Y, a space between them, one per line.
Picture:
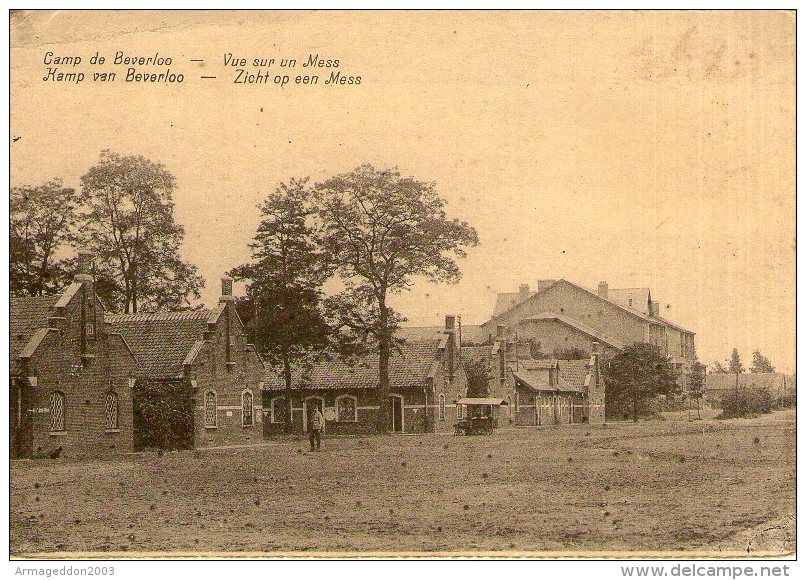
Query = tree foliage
x=718 y=367
x=634 y=377
x=282 y=311
x=381 y=231
x=163 y=414
x=696 y=383
x=478 y=378
x=735 y=364
x=129 y=226
x=761 y=364
x=42 y=221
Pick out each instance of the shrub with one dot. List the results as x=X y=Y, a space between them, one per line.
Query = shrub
x=163 y=414
x=751 y=400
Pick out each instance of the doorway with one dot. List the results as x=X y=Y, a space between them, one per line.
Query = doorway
x=312 y=404
x=396 y=413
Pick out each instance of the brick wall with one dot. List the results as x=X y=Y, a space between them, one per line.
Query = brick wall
x=58 y=366
x=228 y=379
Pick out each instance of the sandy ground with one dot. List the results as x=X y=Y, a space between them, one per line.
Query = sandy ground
x=662 y=486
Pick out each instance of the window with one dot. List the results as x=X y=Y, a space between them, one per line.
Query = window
x=57 y=411
x=517 y=402
x=460 y=411
x=210 y=409
x=279 y=410
x=248 y=415
x=346 y=409
x=112 y=410
x=442 y=406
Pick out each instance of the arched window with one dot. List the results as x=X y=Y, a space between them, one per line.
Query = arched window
x=112 y=410
x=346 y=409
x=57 y=411
x=210 y=409
x=442 y=406
x=247 y=404
x=279 y=410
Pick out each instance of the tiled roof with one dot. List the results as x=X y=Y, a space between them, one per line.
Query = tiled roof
x=534 y=373
x=409 y=366
x=162 y=340
x=477 y=353
x=580 y=326
x=28 y=314
x=573 y=372
x=471 y=333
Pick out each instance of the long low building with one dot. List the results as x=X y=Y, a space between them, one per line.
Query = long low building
x=426 y=378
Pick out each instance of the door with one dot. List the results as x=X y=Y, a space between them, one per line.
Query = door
x=312 y=405
x=396 y=413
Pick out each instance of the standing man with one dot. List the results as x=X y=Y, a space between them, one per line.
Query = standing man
x=317 y=425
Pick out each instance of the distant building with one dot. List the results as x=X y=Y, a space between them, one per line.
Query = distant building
x=719 y=385
x=426 y=378
x=72 y=375
x=547 y=391
x=562 y=317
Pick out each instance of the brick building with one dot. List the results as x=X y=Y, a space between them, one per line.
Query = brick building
x=547 y=391
x=72 y=375
x=205 y=351
x=562 y=316
x=426 y=379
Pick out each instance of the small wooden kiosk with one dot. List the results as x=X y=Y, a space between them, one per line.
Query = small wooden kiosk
x=479 y=415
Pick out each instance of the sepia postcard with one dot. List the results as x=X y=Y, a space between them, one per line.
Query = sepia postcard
x=402 y=284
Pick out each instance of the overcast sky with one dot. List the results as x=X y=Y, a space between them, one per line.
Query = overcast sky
x=644 y=149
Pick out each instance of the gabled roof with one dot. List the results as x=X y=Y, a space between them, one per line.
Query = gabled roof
x=534 y=374
x=409 y=366
x=593 y=293
x=28 y=314
x=28 y=323
x=577 y=325
x=505 y=301
x=161 y=341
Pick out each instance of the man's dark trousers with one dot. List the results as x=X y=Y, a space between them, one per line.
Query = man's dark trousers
x=314 y=438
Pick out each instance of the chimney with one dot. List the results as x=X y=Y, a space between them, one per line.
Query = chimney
x=84 y=266
x=603 y=290
x=655 y=311
x=450 y=322
x=524 y=290
x=226 y=289
x=543 y=284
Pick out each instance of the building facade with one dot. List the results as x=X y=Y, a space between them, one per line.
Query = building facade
x=426 y=379
x=72 y=375
x=207 y=353
x=562 y=316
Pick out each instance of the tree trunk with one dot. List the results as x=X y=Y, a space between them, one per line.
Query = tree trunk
x=289 y=415
x=384 y=340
